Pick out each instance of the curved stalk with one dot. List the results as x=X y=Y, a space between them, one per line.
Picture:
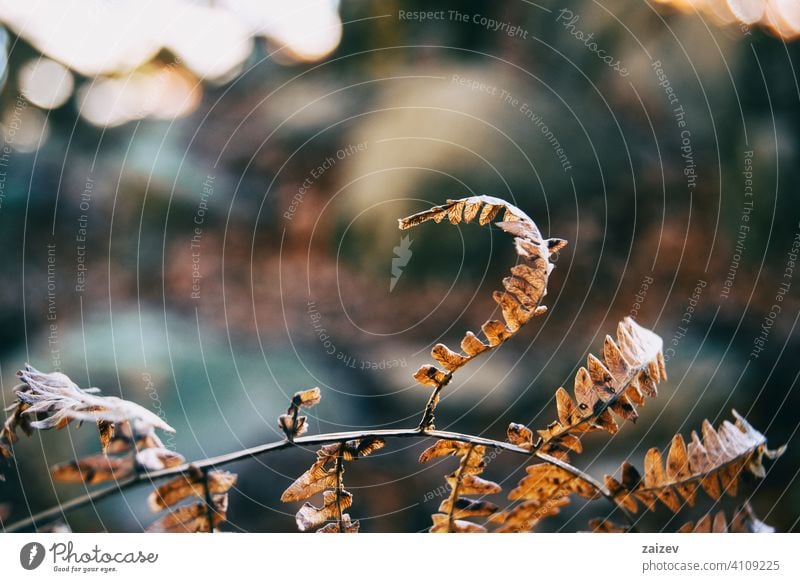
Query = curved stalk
x=57 y=511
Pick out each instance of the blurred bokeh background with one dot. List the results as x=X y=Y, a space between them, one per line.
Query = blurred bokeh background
x=198 y=206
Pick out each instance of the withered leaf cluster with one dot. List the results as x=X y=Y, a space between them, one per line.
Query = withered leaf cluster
x=629 y=371
x=465 y=480
x=291 y=423
x=45 y=401
x=197 y=501
x=543 y=492
x=523 y=290
x=326 y=475
x=715 y=463
x=744 y=520
x=134 y=446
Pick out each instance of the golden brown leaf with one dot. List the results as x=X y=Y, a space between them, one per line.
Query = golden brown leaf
x=292 y=424
x=443 y=448
x=310 y=483
x=715 y=463
x=464 y=481
x=473 y=485
x=347 y=525
x=106 y=430
x=447 y=358
x=431 y=376
x=519 y=435
x=526 y=515
x=192 y=518
x=307 y=398
x=612 y=384
x=191 y=484
x=443 y=524
x=310 y=516
x=93 y=469
x=607 y=526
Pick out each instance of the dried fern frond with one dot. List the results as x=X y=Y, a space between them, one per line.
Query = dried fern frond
x=454 y=510
x=630 y=370
x=56 y=401
x=543 y=492
x=326 y=475
x=291 y=423
x=743 y=521
x=524 y=289
x=130 y=450
x=211 y=487
x=45 y=401
x=716 y=464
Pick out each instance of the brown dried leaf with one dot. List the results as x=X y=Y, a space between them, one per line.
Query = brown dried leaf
x=443 y=448
x=527 y=514
x=348 y=526
x=431 y=376
x=443 y=524
x=191 y=484
x=314 y=480
x=60 y=401
x=524 y=290
x=546 y=481
x=158 y=458
x=310 y=516
x=192 y=518
x=106 y=430
x=473 y=485
x=93 y=469
x=472 y=346
x=465 y=507
x=307 y=398
x=447 y=358
x=519 y=435
x=607 y=526
x=715 y=463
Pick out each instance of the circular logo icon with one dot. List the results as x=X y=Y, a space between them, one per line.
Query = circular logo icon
x=31 y=555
